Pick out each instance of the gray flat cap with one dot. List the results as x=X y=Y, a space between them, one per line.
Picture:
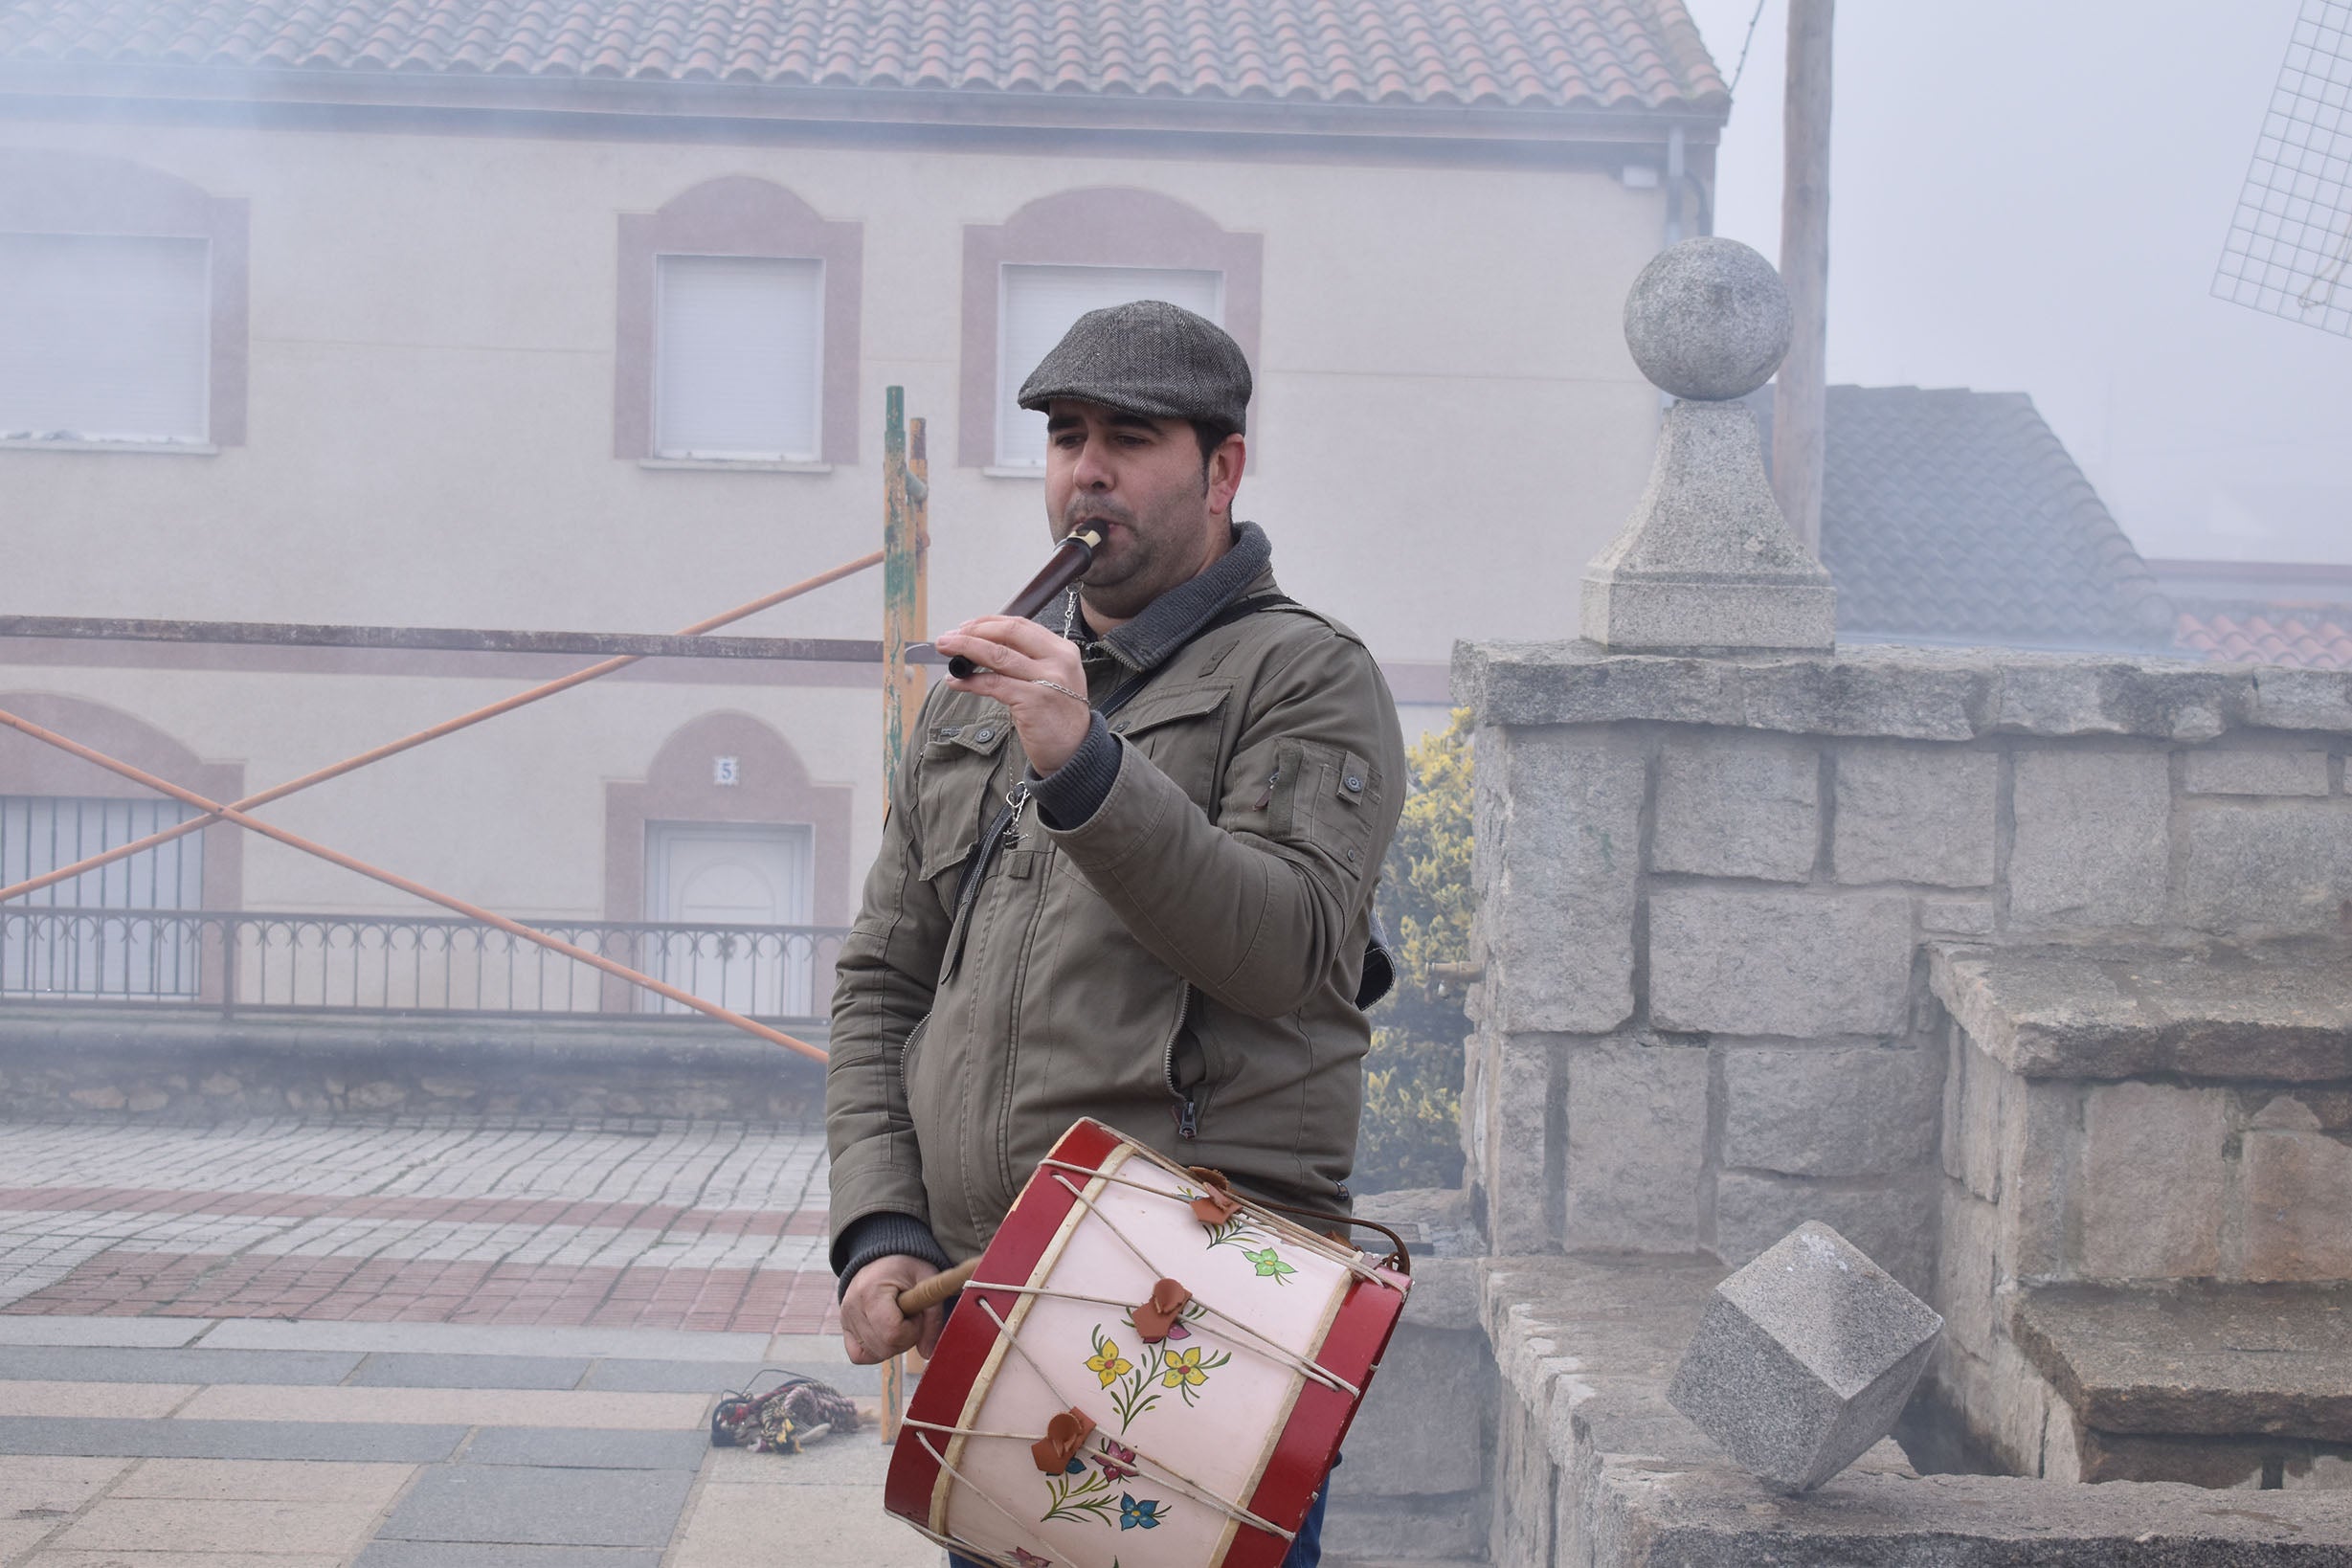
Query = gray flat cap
x=1146 y=357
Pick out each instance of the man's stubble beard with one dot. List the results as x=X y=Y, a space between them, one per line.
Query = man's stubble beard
x=1149 y=563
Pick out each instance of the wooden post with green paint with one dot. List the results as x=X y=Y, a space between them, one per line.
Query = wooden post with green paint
x=905 y=540
x=905 y=615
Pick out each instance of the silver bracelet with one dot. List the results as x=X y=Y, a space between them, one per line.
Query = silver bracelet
x=1055 y=686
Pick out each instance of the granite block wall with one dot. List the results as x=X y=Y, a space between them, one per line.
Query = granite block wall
x=1708 y=885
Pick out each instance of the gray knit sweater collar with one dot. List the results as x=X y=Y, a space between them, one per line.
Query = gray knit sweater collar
x=1171 y=621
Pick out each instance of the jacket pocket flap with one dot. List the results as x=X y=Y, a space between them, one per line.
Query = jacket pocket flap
x=954 y=794
x=983 y=738
x=1149 y=712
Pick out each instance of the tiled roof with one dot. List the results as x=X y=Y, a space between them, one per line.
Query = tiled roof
x=2301 y=639
x=1958 y=516
x=1593 y=55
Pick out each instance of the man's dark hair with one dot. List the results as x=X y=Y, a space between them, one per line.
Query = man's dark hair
x=1211 y=434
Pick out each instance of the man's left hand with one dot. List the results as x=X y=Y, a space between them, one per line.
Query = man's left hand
x=1017 y=656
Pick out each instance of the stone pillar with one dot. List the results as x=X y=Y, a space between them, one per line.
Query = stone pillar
x=1708 y=561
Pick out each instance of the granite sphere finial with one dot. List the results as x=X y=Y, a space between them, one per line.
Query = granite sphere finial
x=1707 y=319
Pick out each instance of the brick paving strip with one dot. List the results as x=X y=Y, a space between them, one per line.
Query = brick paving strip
x=692 y=1225
x=169 y=1400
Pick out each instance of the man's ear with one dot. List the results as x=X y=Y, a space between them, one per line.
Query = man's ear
x=1225 y=465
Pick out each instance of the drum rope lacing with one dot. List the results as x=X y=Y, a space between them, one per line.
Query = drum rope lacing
x=1271 y=1348
x=1168 y=1472
x=1353 y=1260
x=1144 y=1463
x=1026 y=1531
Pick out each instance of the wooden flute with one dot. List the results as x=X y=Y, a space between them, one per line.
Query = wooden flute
x=1071 y=556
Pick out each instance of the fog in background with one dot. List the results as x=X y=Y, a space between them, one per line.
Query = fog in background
x=2031 y=196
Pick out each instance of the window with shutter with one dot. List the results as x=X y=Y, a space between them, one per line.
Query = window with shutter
x=1039 y=303
x=104 y=338
x=739 y=358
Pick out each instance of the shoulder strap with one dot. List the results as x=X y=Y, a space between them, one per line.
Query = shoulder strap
x=968 y=886
x=1238 y=609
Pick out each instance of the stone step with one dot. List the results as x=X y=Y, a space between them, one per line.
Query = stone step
x=2279 y=1012
x=2214 y=1384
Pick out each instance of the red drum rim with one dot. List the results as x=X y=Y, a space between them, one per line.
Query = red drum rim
x=1310 y=1438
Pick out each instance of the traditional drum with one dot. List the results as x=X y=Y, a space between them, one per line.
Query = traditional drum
x=1145 y=1371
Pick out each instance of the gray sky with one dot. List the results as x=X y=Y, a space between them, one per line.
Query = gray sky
x=2031 y=195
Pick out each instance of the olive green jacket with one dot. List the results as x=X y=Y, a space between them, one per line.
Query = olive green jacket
x=1183 y=964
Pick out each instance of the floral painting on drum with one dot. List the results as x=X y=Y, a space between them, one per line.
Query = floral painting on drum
x=1133 y=1393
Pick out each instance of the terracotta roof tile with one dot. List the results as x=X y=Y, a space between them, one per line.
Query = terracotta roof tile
x=2299 y=637
x=1516 y=53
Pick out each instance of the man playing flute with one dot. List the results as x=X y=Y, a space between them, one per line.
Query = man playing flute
x=1160 y=918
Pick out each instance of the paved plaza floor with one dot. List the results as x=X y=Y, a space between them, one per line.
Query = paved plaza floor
x=288 y=1345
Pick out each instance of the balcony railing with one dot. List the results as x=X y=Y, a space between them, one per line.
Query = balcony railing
x=251 y=962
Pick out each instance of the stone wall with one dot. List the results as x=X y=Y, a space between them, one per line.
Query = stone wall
x=1707 y=883
x=1416 y=1478
x=2027 y=974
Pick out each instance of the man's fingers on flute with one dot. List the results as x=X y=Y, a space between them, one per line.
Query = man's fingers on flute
x=993 y=658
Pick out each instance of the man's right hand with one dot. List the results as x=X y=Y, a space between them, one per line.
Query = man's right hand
x=873 y=1329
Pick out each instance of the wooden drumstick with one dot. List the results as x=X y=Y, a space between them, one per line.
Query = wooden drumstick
x=917 y=1299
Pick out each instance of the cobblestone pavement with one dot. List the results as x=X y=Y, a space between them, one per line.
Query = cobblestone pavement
x=664 y=1225
x=284 y=1345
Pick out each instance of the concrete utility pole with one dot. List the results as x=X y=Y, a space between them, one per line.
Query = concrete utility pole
x=1798 y=401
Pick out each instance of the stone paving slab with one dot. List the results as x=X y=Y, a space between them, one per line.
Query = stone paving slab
x=732 y=1525
x=118 y=1364
x=511 y=1506
x=487 y=1340
x=215 y=1524
x=571 y=1448
x=474 y=1555
x=31 y=1485
x=443 y=1407
x=161 y=1334
x=635 y=1377
x=23 y=1535
x=108 y=1437
x=74 y=1399
x=415 y=1370
x=51 y=1558
x=856 y=1459
x=283 y=1480
x=708 y=1377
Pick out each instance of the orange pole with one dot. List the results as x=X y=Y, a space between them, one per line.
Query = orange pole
x=448 y=727
x=417 y=889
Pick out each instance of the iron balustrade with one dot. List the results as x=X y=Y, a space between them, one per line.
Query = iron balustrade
x=258 y=961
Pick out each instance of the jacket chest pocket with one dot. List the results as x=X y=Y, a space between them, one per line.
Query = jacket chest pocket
x=957 y=796
x=1181 y=731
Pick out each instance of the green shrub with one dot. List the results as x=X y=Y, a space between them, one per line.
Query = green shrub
x=1411 y=1133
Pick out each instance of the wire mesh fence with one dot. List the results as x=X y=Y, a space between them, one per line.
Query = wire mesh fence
x=2290 y=241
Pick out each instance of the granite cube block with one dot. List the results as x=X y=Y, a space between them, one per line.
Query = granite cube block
x=1804 y=1359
